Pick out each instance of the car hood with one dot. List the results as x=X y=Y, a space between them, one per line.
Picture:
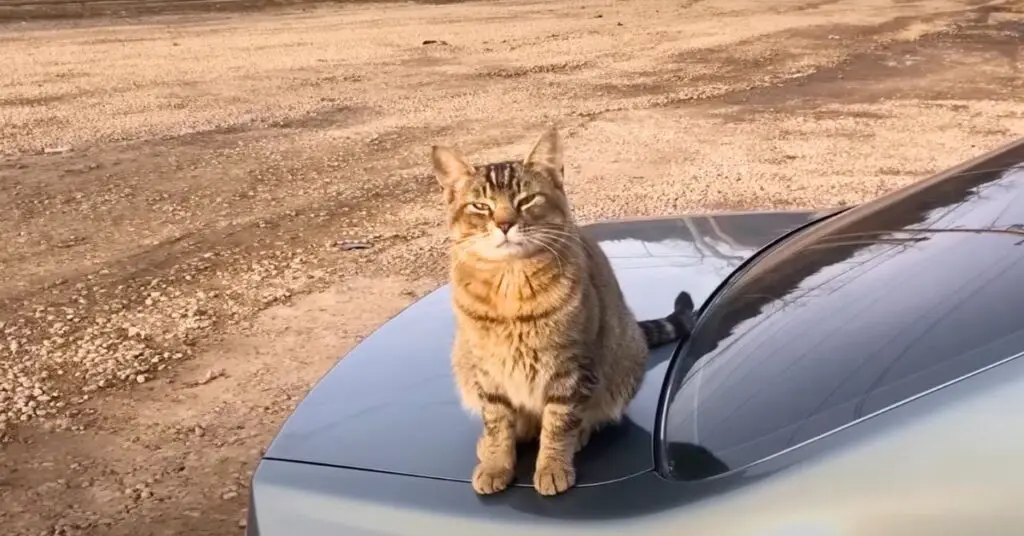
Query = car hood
x=391 y=406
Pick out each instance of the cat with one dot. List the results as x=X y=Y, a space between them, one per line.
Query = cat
x=545 y=347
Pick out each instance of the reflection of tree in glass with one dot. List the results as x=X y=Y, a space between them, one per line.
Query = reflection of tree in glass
x=904 y=220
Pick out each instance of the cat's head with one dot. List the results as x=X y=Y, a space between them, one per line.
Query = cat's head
x=506 y=210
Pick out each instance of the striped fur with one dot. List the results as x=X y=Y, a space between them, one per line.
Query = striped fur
x=677 y=325
x=545 y=346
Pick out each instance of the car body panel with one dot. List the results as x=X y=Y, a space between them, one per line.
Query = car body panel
x=394 y=391
x=902 y=472
x=945 y=462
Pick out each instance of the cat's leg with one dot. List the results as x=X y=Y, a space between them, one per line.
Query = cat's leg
x=608 y=405
x=562 y=422
x=559 y=436
x=496 y=448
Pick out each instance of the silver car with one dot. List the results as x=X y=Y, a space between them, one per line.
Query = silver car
x=853 y=372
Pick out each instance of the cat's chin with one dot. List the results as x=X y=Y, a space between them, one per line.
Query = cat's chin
x=506 y=252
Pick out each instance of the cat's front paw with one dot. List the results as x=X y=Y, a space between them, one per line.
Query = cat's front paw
x=491 y=479
x=553 y=477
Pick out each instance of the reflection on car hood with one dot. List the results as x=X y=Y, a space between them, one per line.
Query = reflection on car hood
x=391 y=405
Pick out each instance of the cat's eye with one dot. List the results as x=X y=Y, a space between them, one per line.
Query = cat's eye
x=480 y=207
x=527 y=200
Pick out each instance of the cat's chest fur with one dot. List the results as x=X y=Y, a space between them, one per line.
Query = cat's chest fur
x=513 y=325
x=522 y=372
x=516 y=358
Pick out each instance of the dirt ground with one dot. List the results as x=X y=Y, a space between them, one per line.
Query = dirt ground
x=205 y=204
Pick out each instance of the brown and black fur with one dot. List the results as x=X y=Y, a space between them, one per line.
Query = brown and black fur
x=545 y=345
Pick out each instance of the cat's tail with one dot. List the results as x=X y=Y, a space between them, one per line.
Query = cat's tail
x=676 y=326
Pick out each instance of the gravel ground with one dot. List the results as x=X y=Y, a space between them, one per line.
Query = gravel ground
x=203 y=210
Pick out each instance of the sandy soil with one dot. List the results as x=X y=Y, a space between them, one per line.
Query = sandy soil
x=203 y=210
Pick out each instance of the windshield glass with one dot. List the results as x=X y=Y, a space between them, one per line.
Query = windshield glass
x=843 y=325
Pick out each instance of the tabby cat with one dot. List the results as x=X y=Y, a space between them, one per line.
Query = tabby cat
x=545 y=345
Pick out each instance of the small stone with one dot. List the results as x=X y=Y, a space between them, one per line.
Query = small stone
x=228 y=495
x=141 y=378
x=353 y=246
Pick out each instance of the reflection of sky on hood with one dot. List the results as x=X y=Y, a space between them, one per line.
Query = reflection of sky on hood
x=706 y=265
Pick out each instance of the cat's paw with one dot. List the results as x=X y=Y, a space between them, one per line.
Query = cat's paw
x=553 y=477
x=491 y=479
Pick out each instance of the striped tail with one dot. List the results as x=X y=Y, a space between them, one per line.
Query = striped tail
x=676 y=326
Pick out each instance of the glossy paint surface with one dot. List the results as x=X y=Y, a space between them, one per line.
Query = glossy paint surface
x=871 y=308
x=945 y=467
x=390 y=405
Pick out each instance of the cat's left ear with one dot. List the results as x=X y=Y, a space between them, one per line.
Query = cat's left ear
x=546 y=154
x=450 y=166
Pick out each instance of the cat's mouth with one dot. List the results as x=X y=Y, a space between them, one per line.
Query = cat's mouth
x=505 y=247
x=510 y=247
x=505 y=241
x=513 y=238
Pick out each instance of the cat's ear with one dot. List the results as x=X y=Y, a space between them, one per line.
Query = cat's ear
x=547 y=152
x=450 y=165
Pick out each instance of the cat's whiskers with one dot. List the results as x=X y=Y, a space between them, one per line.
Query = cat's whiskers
x=560 y=238
x=563 y=237
x=539 y=240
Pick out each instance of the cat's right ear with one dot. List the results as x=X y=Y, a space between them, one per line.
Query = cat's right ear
x=450 y=166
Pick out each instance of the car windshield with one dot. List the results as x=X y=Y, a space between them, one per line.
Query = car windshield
x=833 y=333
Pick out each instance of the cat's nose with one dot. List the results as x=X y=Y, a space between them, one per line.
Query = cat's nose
x=504 y=225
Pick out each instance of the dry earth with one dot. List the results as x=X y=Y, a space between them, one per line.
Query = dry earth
x=203 y=211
